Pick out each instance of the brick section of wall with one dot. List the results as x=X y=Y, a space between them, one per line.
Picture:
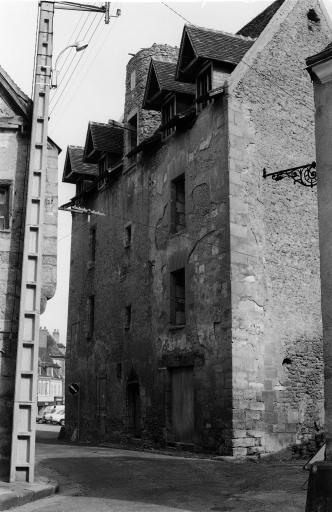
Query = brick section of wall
x=277 y=348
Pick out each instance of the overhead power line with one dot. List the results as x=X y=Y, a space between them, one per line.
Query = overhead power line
x=73 y=71
x=177 y=13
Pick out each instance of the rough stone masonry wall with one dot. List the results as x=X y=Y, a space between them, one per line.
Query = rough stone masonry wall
x=277 y=347
x=14 y=147
x=203 y=249
x=119 y=277
x=148 y=120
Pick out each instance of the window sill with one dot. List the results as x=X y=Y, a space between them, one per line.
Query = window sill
x=177 y=233
x=176 y=327
x=5 y=230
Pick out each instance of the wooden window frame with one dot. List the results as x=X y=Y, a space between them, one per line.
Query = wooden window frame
x=178 y=312
x=175 y=226
x=168 y=112
x=8 y=186
x=202 y=87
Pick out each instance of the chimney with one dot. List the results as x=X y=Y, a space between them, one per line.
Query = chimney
x=43 y=332
x=56 y=335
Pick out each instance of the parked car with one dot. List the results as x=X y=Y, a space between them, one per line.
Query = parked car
x=44 y=417
x=45 y=410
x=58 y=418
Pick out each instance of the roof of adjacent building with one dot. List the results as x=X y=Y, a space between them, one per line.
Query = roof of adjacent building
x=103 y=137
x=210 y=44
x=160 y=81
x=21 y=101
x=321 y=56
x=256 y=26
x=75 y=166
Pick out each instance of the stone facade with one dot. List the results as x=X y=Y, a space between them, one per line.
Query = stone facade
x=243 y=376
x=14 y=150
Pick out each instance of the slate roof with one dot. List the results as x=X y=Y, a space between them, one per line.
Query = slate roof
x=213 y=45
x=256 y=26
x=321 y=56
x=74 y=165
x=218 y=45
x=165 y=72
x=165 y=75
x=21 y=99
x=105 y=137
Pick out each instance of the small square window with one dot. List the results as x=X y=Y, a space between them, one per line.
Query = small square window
x=127 y=318
x=4 y=206
x=178 y=204
x=178 y=297
x=128 y=235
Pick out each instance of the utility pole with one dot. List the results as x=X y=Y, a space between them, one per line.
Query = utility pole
x=26 y=378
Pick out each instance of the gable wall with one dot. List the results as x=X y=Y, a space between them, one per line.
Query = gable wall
x=274 y=243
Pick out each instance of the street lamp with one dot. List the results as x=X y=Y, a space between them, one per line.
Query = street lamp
x=79 y=46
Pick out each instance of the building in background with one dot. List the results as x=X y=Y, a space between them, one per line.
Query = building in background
x=194 y=306
x=15 y=122
x=51 y=369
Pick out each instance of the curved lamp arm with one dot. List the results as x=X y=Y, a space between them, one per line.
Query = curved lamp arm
x=54 y=73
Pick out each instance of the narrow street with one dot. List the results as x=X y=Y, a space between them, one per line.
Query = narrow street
x=106 y=479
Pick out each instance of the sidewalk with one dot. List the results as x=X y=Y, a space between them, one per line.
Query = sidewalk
x=13 y=495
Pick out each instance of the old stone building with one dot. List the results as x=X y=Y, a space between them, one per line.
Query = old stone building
x=15 y=120
x=194 y=309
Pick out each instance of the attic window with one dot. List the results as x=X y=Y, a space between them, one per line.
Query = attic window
x=313 y=16
x=203 y=86
x=133 y=80
x=168 y=111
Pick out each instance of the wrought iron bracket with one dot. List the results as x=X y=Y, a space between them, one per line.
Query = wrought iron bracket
x=304 y=174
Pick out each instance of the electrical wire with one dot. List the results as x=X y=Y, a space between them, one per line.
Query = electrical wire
x=193 y=239
x=73 y=71
x=68 y=67
x=86 y=68
x=177 y=13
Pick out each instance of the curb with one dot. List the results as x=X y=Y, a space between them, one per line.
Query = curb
x=16 y=495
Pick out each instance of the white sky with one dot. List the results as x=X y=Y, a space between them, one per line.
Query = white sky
x=96 y=90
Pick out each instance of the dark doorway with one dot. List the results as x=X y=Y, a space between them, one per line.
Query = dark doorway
x=134 y=407
x=182 y=404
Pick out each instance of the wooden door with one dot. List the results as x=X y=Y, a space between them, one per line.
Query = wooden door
x=182 y=403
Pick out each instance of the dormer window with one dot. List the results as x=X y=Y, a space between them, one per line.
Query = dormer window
x=203 y=86
x=102 y=165
x=168 y=111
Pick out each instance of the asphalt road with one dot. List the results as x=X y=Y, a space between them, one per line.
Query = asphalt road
x=104 y=479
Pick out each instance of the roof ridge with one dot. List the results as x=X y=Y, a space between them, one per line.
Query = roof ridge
x=257 y=24
x=216 y=31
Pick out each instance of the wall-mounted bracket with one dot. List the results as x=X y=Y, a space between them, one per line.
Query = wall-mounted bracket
x=306 y=175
